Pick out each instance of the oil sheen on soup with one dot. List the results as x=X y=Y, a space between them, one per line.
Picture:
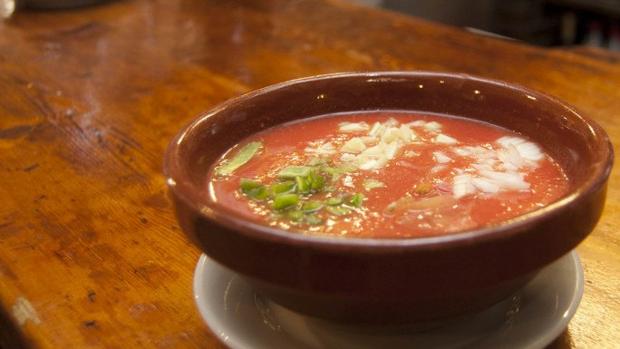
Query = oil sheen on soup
x=388 y=174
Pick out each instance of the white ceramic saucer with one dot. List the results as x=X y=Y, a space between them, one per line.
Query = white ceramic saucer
x=532 y=318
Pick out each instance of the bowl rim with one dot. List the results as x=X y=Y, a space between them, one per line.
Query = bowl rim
x=188 y=194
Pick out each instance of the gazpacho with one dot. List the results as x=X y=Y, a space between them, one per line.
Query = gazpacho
x=385 y=174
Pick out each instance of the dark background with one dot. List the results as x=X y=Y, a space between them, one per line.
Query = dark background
x=539 y=22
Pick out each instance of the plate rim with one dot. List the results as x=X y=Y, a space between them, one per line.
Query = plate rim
x=540 y=341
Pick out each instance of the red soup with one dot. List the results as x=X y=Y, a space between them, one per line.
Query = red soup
x=388 y=174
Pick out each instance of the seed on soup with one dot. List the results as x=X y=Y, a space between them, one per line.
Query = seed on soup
x=388 y=174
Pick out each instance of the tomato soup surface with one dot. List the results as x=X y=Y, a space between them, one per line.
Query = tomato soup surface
x=385 y=174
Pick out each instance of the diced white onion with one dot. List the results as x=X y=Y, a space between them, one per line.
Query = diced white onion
x=433 y=126
x=411 y=154
x=485 y=185
x=462 y=151
x=462 y=186
x=321 y=149
x=507 y=180
x=369 y=140
x=353 y=145
x=494 y=167
x=347 y=157
x=444 y=139
x=530 y=151
x=482 y=167
x=376 y=150
x=510 y=158
x=527 y=150
x=347 y=181
x=417 y=123
x=371 y=164
x=376 y=130
x=441 y=157
x=509 y=140
x=391 y=122
x=390 y=150
x=406 y=134
x=353 y=126
x=390 y=135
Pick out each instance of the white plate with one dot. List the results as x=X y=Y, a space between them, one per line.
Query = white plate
x=532 y=318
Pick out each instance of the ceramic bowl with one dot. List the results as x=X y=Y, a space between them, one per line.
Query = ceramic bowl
x=391 y=280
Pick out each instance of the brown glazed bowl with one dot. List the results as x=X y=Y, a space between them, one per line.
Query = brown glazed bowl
x=391 y=280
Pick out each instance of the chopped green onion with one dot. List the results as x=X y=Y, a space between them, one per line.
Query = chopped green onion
x=303 y=186
x=357 y=199
x=253 y=189
x=313 y=219
x=311 y=206
x=258 y=193
x=282 y=187
x=248 y=184
x=295 y=215
x=336 y=172
x=243 y=155
x=334 y=201
x=294 y=171
x=317 y=182
x=283 y=201
x=371 y=184
x=338 y=210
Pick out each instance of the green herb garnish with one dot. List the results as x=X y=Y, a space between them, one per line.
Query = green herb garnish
x=317 y=182
x=311 y=206
x=294 y=171
x=335 y=201
x=248 y=184
x=253 y=189
x=241 y=157
x=336 y=172
x=356 y=200
x=282 y=187
x=303 y=186
x=313 y=220
x=260 y=193
x=292 y=194
x=295 y=215
x=282 y=201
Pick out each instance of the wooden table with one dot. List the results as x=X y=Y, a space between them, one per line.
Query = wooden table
x=90 y=252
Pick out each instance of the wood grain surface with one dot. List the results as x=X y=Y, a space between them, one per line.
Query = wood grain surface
x=90 y=252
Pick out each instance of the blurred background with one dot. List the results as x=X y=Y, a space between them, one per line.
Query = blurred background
x=540 y=22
